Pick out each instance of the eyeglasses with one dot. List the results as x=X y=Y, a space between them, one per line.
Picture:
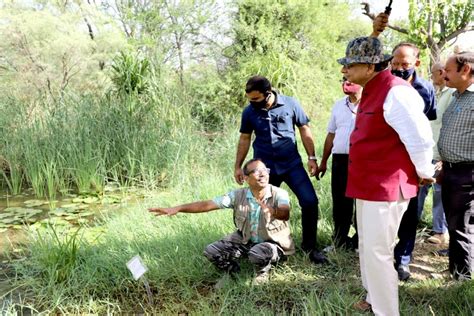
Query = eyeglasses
x=259 y=171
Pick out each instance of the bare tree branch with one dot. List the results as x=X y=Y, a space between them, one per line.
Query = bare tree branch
x=366 y=11
x=455 y=34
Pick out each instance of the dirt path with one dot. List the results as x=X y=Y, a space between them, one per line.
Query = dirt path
x=427 y=264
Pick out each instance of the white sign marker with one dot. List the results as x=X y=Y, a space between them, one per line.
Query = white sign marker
x=137 y=267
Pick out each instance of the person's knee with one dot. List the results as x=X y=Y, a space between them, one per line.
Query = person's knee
x=308 y=200
x=260 y=255
x=212 y=251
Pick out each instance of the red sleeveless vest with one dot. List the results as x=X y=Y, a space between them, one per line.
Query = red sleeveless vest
x=379 y=165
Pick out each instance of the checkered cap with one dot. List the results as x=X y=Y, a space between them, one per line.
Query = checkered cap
x=364 y=50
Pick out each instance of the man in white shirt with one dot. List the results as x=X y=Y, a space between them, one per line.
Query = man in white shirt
x=444 y=97
x=339 y=129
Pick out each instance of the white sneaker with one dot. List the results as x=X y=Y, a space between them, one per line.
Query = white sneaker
x=328 y=249
x=261 y=278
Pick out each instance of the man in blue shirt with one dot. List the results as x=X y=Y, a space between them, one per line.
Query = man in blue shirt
x=405 y=61
x=272 y=117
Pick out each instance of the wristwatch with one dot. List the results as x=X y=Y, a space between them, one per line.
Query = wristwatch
x=312 y=158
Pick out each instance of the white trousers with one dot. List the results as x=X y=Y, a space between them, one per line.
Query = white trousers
x=377 y=224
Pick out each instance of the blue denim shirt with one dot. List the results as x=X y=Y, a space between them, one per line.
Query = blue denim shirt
x=427 y=92
x=274 y=129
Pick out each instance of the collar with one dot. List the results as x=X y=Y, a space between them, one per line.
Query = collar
x=445 y=88
x=278 y=99
x=417 y=81
x=379 y=77
x=268 y=193
x=415 y=77
x=469 y=89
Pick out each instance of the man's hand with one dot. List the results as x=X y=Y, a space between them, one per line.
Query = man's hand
x=379 y=24
x=438 y=172
x=312 y=167
x=239 y=176
x=164 y=210
x=425 y=181
x=267 y=210
x=321 y=170
x=438 y=166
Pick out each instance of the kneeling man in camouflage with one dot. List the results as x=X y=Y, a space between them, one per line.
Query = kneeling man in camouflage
x=261 y=213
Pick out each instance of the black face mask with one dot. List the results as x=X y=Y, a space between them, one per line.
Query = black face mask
x=404 y=74
x=261 y=104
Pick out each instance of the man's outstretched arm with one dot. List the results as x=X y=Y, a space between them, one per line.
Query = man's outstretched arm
x=195 y=207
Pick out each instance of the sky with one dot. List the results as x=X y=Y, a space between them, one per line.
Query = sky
x=400 y=12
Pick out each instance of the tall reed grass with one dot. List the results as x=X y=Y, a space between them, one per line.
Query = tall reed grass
x=82 y=142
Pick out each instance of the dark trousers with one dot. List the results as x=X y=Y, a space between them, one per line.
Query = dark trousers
x=298 y=181
x=224 y=254
x=458 y=203
x=342 y=206
x=407 y=233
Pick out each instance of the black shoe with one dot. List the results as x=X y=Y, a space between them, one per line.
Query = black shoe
x=403 y=272
x=317 y=257
x=233 y=269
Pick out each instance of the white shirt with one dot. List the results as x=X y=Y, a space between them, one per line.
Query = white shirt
x=403 y=111
x=341 y=124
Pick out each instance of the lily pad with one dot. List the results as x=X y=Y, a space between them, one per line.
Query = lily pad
x=71 y=217
x=5 y=215
x=9 y=220
x=84 y=214
x=90 y=200
x=71 y=205
x=111 y=199
x=55 y=221
x=33 y=203
x=21 y=211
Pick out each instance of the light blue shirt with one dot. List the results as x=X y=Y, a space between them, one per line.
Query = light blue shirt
x=228 y=201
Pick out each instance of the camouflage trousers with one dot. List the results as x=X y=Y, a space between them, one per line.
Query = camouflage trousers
x=224 y=255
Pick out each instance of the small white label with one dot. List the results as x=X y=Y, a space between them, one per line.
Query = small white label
x=136 y=266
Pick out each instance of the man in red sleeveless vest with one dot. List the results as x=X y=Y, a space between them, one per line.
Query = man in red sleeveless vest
x=390 y=155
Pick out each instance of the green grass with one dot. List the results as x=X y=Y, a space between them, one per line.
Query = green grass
x=85 y=272
x=156 y=141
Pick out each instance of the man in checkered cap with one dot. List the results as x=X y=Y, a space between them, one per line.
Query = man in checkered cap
x=390 y=155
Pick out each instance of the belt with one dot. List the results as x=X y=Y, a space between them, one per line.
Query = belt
x=462 y=164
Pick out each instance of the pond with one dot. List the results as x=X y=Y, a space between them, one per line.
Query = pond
x=25 y=210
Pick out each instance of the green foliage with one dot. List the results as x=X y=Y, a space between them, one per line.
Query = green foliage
x=57 y=253
x=278 y=39
x=437 y=18
x=433 y=24
x=129 y=73
x=45 y=54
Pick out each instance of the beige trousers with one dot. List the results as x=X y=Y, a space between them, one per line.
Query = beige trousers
x=377 y=224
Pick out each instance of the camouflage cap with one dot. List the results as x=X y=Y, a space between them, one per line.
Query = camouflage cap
x=364 y=50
